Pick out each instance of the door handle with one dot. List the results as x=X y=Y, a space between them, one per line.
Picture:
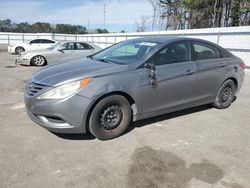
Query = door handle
x=189 y=72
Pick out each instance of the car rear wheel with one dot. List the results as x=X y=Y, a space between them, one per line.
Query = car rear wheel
x=19 y=49
x=110 y=117
x=38 y=61
x=225 y=95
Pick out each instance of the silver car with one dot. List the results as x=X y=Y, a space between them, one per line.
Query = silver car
x=61 y=51
x=132 y=80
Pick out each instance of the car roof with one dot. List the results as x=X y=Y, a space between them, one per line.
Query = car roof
x=158 y=39
x=67 y=41
x=168 y=39
x=44 y=39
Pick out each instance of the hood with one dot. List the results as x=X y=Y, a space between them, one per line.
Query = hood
x=61 y=73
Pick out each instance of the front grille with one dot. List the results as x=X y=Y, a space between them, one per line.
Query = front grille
x=32 y=88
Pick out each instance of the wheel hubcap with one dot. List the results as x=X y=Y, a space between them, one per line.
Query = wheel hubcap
x=111 y=117
x=226 y=94
x=38 y=60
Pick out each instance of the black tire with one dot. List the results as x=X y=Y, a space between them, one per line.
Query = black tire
x=19 y=49
x=226 y=95
x=110 y=117
x=38 y=60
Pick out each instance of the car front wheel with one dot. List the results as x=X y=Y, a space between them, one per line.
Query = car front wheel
x=225 y=95
x=110 y=117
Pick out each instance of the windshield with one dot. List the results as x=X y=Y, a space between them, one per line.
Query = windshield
x=125 y=52
x=55 y=45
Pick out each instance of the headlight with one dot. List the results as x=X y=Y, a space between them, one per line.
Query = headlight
x=65 y=90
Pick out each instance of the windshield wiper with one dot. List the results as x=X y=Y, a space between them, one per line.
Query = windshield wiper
x=90 y=57
x=104 y=60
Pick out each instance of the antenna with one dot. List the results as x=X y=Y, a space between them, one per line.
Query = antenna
x=104 y=16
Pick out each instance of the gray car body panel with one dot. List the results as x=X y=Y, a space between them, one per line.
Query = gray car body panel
x=198 y=88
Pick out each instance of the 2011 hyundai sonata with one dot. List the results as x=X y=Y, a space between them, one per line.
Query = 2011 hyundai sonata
x=132 y=80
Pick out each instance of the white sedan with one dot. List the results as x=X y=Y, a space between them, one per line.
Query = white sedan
x=32 y=45
x=59 y=52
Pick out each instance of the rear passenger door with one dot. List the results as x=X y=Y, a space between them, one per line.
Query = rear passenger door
x=210 y=67
x=65 y=52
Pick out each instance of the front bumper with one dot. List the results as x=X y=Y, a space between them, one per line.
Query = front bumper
x=60 y=116
x=22 y=61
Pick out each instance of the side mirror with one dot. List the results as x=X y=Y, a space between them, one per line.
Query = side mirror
x=60 y=49
x=149 y=65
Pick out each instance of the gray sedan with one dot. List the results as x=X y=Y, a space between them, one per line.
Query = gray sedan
x=130 y=81
x=59 y=52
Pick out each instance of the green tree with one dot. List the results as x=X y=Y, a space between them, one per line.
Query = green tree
x=245 y=10
x=98 y=30
x=22 y=27
x=40 y=27
x=6 y=25
x=70 y=29
x=172 y=10
x=202 y=12
x=235 y=15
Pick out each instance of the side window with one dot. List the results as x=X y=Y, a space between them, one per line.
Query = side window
x=173 y=53
x=46 y=41
x=202 y=51
x=68 y=46
x=36 y=41
x=225 y=54
x=83 y=46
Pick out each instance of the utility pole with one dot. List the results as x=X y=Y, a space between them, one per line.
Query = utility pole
x=104 y=16
x=88 y=25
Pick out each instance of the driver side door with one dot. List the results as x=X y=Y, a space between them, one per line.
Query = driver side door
x=65 y=52
x=175 y=80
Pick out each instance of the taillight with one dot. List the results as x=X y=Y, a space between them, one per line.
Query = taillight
x=242 y=65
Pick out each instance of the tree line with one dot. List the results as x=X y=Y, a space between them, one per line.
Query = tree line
x=167 y=15
x=191 y=14
x=40 y=27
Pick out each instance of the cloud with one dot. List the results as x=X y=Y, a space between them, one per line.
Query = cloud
x=117 y=11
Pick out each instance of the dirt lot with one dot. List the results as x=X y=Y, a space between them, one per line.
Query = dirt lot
x=197 y=148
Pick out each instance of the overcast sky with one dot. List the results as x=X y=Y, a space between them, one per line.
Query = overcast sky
x=120 y=14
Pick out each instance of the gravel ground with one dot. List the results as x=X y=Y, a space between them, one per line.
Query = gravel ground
x=196 y=148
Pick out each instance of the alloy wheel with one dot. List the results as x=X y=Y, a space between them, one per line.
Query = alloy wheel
x=39 y=60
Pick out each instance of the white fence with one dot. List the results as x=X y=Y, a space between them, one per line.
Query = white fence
x=235 y=39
